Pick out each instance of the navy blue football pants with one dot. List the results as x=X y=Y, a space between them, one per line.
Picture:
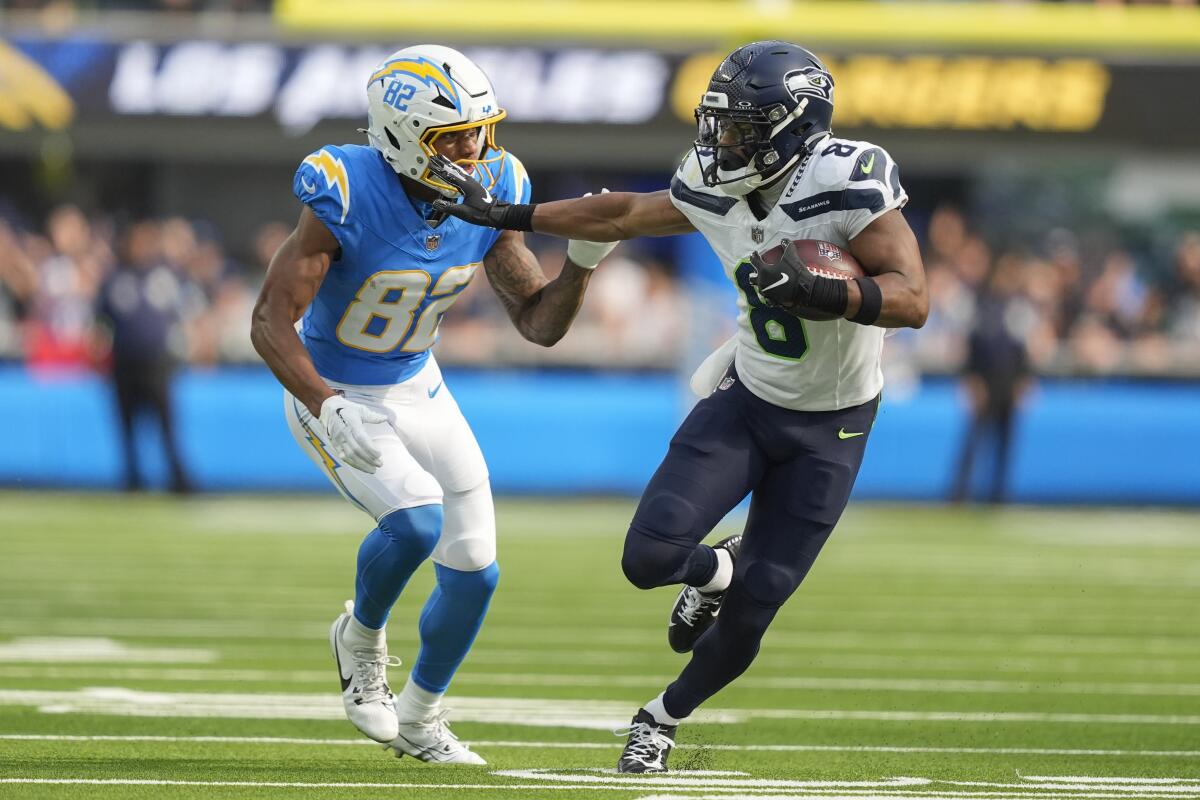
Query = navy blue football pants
x=799 y=467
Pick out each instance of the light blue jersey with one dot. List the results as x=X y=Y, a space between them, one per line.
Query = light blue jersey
x=377 y=313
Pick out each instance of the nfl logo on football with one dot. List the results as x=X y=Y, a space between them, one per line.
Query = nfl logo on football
x=829 y=251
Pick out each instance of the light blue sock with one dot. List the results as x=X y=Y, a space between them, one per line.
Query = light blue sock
x=450 y=621
x=388 y=557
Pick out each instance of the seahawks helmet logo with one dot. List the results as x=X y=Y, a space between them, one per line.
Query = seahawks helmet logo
x=810 y=81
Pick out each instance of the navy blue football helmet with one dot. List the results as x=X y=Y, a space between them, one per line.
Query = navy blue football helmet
x=767 y=106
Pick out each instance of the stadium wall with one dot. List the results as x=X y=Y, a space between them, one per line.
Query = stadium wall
x=589 y=433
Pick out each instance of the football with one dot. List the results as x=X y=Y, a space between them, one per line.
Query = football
x=826 y=260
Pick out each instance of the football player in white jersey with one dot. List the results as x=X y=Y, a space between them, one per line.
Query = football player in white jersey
x=791 y=401
x=371 y=268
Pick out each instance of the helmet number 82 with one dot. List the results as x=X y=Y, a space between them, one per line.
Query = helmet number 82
x=397 y=93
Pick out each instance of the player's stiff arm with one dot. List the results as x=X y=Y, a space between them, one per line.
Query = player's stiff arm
x=791 y=401
x=369 y=270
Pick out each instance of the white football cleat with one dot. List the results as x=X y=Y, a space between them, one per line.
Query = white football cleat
x=432 y=741
x=363 y=674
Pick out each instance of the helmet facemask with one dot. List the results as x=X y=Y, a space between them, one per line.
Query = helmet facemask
x=736 y=147
x=487 y=165
x=422 y=93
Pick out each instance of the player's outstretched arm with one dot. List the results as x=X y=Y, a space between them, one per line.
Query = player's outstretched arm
x=542 y=310
x=888 y=251
x=610 y=217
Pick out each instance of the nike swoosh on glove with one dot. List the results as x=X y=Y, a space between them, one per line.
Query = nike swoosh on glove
x=786 y=283
x=345 y=423
x=478 y=206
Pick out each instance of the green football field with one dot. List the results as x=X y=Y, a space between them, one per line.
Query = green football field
x=166 y=649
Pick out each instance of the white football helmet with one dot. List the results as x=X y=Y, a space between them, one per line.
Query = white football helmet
x=421 y=92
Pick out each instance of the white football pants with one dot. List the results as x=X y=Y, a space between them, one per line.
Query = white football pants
x=429 y=456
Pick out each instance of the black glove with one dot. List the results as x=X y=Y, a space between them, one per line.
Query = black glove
x=478 y=206
x=788 y=283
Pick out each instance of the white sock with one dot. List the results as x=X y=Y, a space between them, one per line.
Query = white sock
x=414 y=703
x=656 y=709
x=355 y=634
x=724 y=574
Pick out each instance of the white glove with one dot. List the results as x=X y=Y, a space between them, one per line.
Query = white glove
x=589 y=254
x=344 y=422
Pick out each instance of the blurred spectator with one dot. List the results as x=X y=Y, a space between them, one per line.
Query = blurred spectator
x=1185 y=318
x=234 y=298
x=18 y=288
x=59 y=330
x=996 y=375
x=142 y=303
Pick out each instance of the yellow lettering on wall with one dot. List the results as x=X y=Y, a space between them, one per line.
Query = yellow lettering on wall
x=945 y=92
x=963 y=103
x=29 y=94
x=691 y=81
x=1082 y=87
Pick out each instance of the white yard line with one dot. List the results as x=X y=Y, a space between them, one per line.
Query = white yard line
x=1058 y=665
x=1016 y=642
x=538 y=712
x=614 y=744
x=301 y=785
x=821 y=684
x=704 y=786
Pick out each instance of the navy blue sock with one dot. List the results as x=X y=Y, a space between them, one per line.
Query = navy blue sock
x=450 y=621
x=388 y=557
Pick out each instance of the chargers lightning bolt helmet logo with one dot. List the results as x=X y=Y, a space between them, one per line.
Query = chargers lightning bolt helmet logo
x=424 y=71
x=419 y=93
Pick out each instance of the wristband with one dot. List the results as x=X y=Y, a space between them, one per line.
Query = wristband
x=872 y=302
x=519 y=217
x=829 y=294
x=588 y=254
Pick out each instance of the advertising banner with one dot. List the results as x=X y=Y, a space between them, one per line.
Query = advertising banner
x=53 y=84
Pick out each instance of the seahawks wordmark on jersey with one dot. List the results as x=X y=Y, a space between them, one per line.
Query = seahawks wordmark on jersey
x=793 y=363
x=377 y=312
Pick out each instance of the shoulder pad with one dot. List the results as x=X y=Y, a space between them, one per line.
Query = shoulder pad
x=514 y=185
x=843 y=162
x=323 y=182
x=688 y=191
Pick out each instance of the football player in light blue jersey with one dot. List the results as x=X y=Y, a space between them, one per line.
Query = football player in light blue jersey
x=370 y=269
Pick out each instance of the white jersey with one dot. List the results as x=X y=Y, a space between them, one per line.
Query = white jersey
x=799 y=364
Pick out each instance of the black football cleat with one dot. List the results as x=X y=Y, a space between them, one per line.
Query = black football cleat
x=694 y=611
x=649 y=745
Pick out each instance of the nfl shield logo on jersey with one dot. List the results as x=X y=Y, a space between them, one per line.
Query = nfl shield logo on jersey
x=432 y=241
x=756 y=233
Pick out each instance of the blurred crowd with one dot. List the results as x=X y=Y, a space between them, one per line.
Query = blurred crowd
x=1081 y=305
x=62 y=287
x=1078 y=309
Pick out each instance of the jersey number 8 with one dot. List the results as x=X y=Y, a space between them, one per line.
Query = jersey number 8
x=380 y=318
x=778 y=333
